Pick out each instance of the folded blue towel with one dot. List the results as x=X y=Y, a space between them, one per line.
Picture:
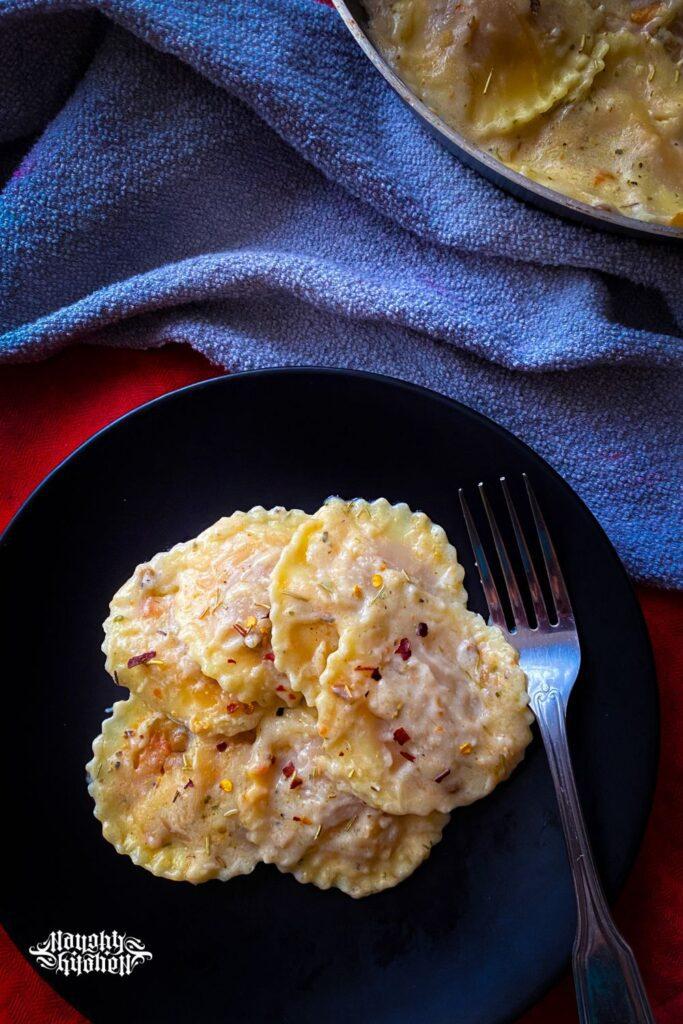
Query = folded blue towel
x=235 y=174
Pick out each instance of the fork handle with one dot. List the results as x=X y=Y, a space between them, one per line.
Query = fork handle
x=609 y=989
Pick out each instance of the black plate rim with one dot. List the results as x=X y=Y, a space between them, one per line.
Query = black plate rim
x=651 y=769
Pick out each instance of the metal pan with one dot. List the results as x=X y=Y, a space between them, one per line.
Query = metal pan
x=355 y=18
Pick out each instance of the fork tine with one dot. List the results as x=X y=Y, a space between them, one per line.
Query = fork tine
x=518 y=609
x=487 y=581
x=532 y=579
x=557 y=585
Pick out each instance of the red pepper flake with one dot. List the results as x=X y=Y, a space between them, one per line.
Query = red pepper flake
x=376 y=675
x=444 y=775
x=232 y=707
x=298 y=781
x=177 y=794
x=288 y=770
x=365 y=668
x=401 y=736
x=404 y=648
x=422 y=629
x=269 y=656
x=280 y=688
x=189 y=784
x=222 y=746
x=231 y=661
x=408 y=757
x=141 y=659
x=240 y=628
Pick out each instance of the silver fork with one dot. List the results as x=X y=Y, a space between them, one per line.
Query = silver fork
x=609 y=988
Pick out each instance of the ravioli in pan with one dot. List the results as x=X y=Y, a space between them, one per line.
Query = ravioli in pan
x=306 y=691
x=584 y=97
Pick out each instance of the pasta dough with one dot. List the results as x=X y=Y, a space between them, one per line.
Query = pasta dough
x=337 y=565
x=222 y=604
x=423 y=707
x=167 y=798
x=305 y=822
x=190 y=631
x=145 y=653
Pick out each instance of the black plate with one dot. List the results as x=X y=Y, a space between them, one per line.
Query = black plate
x=480 y=930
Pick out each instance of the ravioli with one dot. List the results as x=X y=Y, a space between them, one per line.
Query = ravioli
x=144 y=653
x=585 y=98
x=496 y=63
x=306 y=823
x=337 y=565
x=414 y=705
x=632 y=148
x=190 y=631
x=423 y=706
x=223 y=606
x=167 y=798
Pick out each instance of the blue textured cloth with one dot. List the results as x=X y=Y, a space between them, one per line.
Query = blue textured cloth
x=234 y=174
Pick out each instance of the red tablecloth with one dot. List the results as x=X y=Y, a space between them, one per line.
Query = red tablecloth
x=47 y=409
